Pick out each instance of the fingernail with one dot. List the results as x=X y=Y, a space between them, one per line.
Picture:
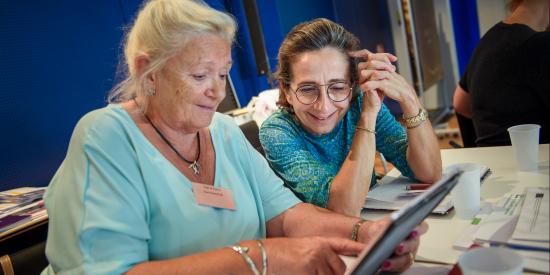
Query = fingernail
x=386 y=265
x=414 y=234
x=400 y=249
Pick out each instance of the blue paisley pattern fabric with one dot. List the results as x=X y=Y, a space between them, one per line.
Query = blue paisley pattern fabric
x=308 y=163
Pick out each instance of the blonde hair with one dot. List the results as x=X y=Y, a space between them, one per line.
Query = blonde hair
x=160 y=30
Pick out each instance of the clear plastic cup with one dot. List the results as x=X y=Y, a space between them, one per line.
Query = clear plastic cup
x=491 y=261
x=525 y=141
x=466 y=195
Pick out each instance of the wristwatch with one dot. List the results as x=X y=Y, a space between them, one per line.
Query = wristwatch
x=415 y=121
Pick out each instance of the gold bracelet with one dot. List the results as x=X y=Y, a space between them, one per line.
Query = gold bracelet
x=415 y=121
x=365 y=129
x=243 y=250
x=355 y=229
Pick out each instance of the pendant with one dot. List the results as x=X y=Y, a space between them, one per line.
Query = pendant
x=196 y=167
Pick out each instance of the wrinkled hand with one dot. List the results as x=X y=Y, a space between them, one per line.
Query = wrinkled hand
x=313 y=255
x=404 y=253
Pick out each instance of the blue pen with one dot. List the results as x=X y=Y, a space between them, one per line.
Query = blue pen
x=521 y=247
x=486 y=175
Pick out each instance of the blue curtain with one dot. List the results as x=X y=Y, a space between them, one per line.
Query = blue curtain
x=466 y=29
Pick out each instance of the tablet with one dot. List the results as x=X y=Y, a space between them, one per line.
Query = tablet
x=403 y=221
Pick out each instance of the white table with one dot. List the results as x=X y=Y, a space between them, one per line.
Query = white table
x=436 y=245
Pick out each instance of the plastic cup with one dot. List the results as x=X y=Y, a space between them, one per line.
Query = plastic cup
x=525 y=141
x=466 y=195
x=489 y=261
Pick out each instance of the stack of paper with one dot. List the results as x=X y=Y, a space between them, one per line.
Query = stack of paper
x=532 y=232
x=518 y=221
x=19 y=206
x=391 y=193
x=22 y=195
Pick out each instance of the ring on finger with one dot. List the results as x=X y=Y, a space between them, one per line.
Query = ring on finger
x=411 y=257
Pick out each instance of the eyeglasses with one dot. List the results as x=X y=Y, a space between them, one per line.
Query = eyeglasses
x=309 y=93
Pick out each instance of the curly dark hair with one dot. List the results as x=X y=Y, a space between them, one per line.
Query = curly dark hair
x=310 y=36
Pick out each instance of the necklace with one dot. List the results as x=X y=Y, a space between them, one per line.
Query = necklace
x=195 y=165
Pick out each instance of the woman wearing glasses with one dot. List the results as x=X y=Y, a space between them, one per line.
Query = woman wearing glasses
x=322 y=141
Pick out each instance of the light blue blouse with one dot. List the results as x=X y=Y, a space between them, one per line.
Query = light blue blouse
x=308 y=163
x=116 y=201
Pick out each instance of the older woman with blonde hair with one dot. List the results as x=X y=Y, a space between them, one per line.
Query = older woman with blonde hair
x=157 y=182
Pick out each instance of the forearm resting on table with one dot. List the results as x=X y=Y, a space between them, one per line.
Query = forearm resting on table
x=350 y=186
x=306 y=219
x=423 y=153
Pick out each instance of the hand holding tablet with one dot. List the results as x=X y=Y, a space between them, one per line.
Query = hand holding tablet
x=386 y=237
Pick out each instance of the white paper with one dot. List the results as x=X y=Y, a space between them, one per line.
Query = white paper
x=389 y=196
x=390 y=193
x=498 y=225
x=534 y=221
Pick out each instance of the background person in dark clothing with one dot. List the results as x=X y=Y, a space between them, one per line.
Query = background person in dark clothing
x=507 y=81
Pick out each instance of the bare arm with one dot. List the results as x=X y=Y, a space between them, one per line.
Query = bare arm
x=351 y=184
x=296 y=226
x=306 y=219
x=226 y=261
x=317 y=255
x=423 y=154
x=461 y=102
x=309 y=220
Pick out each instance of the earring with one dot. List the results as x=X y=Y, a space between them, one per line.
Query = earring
x=151 y=91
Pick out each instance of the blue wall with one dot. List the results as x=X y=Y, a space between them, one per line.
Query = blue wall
x=58 y=59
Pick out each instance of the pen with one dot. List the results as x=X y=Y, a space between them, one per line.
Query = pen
x=521 y=247
x=418 y=186
x=486 y=175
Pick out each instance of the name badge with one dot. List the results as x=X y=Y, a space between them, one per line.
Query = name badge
x=213 y=196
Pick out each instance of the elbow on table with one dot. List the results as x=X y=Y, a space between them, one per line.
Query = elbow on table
x=431 y=175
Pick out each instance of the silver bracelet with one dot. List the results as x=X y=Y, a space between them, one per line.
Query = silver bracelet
x=264 y=257
x=243 y=250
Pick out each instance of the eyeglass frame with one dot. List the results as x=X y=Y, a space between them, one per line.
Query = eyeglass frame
x=326 y=90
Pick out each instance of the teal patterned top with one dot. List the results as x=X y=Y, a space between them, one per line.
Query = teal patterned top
x=308 y=163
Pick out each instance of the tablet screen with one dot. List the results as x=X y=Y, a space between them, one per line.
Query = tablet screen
x=403 y=222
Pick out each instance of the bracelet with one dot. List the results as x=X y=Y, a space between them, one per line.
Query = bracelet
x=365 y=129
x=243 y=250
x=355 y=229
x=415 y=121
x=264 y=257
